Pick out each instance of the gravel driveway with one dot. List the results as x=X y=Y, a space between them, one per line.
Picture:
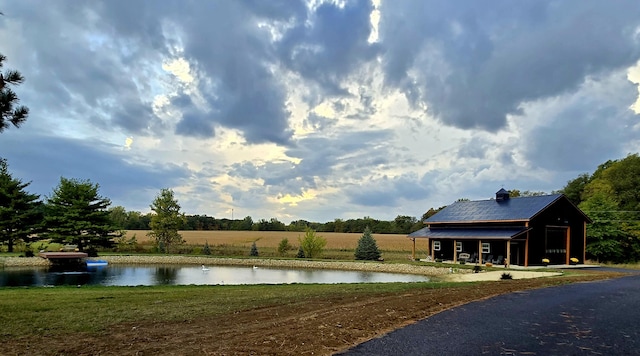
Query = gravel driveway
x=597 y=318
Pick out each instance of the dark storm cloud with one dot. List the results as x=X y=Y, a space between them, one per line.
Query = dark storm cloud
x=475 y=63
x=588 y=131
x=194 y=122
x=74 y=68
x=389 y=192
x=473 y=148
x=330 y=45
x=44 y=159
x=101 y=59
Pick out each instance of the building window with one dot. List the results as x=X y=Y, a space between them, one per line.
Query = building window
x=436 y=245
x=486 y=247
x=458 y=246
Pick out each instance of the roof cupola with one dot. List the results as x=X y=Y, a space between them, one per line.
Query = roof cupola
x=502 y=195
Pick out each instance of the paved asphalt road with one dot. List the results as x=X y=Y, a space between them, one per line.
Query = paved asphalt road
x=596 y=318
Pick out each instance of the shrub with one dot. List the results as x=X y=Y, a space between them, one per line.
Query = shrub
x=254 y=250
x=284 y=246
x=28 y=251
x=367 y=248
x=92 y=252
x=125 y=244
x=506 y=275
x=312 y=244
x=206 y=250
x=477 y=269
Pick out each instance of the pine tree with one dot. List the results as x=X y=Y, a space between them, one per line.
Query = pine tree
x=254 y=250
x=76 y=214
x=367 y=248
x=206 y=250
x=300 y=253
x=10 y=112
x=20 y=211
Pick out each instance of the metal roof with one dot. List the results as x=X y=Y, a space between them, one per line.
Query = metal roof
x=469 y=233
x=512 y=209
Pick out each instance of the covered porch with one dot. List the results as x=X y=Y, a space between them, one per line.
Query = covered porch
x=496 y=245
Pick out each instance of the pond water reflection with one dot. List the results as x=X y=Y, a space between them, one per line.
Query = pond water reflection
x=134 y=275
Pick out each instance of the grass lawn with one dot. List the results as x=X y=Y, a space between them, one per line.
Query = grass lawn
x=61 y=310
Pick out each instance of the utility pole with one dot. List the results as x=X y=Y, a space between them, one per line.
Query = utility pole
x=231 y=214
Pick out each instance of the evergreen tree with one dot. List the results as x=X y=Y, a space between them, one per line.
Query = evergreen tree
x=300 y=253
x=76 y=214
x=254 y=250
x=10 y=112
x=20 y=211
x=206 y=250
x=166 y=220
x=367 y=247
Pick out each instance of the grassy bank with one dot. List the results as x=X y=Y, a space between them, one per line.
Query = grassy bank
x=26 y=312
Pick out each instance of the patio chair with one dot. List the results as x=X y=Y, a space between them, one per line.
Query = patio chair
x=498 y=261
x=488 y=259
x=473 y=258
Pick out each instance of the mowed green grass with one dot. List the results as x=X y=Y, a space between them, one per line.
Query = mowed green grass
x=63 y=310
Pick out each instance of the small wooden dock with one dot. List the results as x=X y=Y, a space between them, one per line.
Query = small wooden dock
x=62 y=255
x=64 y=259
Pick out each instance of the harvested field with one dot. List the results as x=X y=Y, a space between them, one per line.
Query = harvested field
x=271 y=239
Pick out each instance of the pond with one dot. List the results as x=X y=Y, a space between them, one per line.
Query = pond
x=152 y=275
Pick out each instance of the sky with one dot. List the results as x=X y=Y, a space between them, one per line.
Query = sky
x=319 y=110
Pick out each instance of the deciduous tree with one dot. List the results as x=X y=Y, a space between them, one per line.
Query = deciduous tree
x=312 y=244
x=166 y=220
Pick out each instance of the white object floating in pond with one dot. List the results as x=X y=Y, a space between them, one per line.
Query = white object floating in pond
x=204 y=268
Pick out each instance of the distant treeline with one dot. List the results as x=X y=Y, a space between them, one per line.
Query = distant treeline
x=134 y=220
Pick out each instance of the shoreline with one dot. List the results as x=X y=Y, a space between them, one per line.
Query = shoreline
x=221 y=261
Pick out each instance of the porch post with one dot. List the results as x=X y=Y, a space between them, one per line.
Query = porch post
x=584 y=238
x=480 y=251
x=526 y=251
x=433 y=255
x=413 y=250
x=429 y=248
x=568 y=236
x=455 y=252
x=508 y=257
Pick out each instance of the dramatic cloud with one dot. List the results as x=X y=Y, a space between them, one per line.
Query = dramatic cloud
x=320 y=109
x=473 y=64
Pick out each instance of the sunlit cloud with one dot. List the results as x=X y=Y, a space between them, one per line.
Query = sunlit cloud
x=321 y=109
x=180 y=68
x=127 y=143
